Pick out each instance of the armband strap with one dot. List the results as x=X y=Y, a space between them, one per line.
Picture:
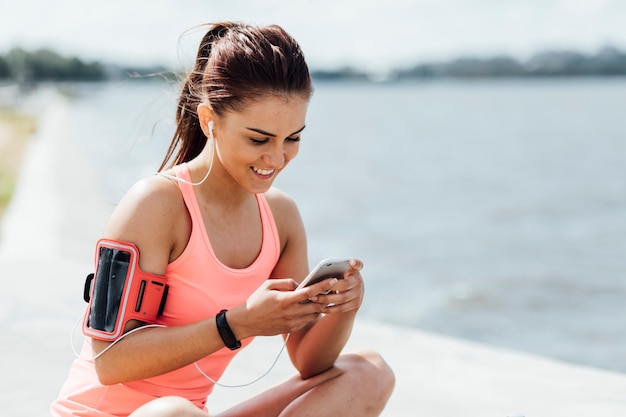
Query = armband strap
x=120 y=291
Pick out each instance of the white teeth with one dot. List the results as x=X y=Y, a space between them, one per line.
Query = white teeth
x=263 y=171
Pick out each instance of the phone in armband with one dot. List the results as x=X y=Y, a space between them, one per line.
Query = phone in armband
x=120 y=291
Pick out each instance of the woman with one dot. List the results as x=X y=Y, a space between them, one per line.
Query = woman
x=232 y=250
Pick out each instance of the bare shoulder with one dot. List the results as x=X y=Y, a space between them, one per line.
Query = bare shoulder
x=149 y=215
x=148 y=200
x=280 y=199
x=284 y=208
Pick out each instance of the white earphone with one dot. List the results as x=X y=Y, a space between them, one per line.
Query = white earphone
x=212 y=144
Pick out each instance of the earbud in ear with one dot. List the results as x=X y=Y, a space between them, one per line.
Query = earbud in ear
x=210 y=127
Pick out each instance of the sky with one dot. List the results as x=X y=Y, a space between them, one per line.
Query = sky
x=372 y=35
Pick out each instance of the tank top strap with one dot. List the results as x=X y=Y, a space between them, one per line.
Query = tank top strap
x=188 y=192
x=271 y=239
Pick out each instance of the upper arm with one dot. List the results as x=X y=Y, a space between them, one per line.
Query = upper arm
x=149 y=216
x=293 y=261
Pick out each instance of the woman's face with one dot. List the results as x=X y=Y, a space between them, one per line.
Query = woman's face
x=256 y=142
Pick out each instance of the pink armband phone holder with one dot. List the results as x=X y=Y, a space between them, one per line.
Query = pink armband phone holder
x=120 y=291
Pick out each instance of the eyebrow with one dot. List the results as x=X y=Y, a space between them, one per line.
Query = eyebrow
x=263 y=132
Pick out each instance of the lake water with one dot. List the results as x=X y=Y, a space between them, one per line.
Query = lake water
x=493 y=211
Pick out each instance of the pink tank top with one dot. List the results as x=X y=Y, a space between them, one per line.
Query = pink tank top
x=200 y=286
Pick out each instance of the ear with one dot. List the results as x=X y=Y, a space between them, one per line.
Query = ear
x=205 y=115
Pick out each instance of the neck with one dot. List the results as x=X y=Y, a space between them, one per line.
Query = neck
x=219 y=188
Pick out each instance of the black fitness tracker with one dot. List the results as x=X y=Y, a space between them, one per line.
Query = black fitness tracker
x=226 y=333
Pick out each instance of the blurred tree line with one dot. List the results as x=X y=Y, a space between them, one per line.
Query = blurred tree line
x=608 y=61
x=45 y=65
x=24 y=68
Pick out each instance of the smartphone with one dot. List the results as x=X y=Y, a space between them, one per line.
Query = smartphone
x=328 y=268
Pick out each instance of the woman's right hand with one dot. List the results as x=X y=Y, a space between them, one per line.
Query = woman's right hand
x=276 y=308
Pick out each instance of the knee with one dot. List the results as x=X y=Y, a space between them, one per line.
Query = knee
x=372 y=373
x=168 y=407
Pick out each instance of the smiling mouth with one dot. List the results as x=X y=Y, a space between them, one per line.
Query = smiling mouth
x=263 y=172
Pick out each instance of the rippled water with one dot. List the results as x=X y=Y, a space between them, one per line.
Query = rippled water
x=492 y=211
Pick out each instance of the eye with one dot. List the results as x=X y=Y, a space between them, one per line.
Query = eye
x=258 y=141
x=295 y=139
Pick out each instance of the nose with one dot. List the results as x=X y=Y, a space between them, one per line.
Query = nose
x=275 y=157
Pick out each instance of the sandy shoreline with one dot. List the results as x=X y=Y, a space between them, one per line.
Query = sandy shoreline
x=46 y=248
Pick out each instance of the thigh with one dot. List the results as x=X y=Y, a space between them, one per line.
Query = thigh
x=169 y=407
x=364 y=378
x=273 y=401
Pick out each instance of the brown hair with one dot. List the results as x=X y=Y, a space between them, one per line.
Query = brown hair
x=235 y=63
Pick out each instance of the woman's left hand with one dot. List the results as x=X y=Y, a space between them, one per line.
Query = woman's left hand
x=347 y=294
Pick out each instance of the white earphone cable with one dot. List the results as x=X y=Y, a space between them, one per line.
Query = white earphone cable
x=147 y=326
x=212 y=145
x=79 y=356
x=282 y=348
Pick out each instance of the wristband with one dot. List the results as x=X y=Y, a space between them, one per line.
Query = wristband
x=225 y=331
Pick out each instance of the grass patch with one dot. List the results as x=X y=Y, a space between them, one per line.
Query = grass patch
x=15 y=130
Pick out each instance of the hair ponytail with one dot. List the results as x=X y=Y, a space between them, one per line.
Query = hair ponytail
x=189 y=140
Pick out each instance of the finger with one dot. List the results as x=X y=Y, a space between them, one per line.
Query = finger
x=355 y=265
x=340 y=308
x=341 y=302
x=348 y=282
x=310 y=292
x=282 y=284
x=336 y=297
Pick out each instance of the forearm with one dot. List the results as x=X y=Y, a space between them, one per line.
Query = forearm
x=154 y=351
x=317 y=348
